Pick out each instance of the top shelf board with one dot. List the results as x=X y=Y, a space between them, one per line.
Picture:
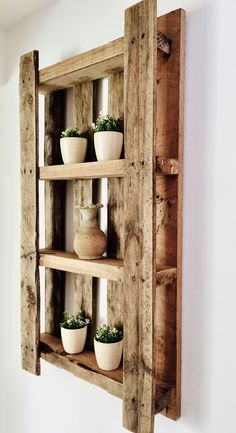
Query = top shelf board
x=91 y=65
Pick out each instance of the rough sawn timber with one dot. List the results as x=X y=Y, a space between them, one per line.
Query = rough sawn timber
x=30 y=291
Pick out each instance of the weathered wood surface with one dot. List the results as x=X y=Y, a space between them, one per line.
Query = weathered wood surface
x=167 y=166
x=139 y=209
x=30 y=291
x=91 y=65
x=83 y=365
x=170 y=94
x=115 y=235
x=83 y=190
x=85 y=170
x=54 y=211
x=111 y=269
x=166 y=276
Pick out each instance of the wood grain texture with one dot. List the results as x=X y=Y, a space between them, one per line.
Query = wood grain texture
x=139 y=208
x=91 y=65
x=115 y=235
x=83 y=365
x=111 y=269
x=83 y=190
x=30 y=290
x=85 y=170
x=170 y=94
x=167 y=166
x=54 y=211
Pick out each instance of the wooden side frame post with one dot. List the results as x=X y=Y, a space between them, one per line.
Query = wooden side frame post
x=140 y=54
x=169 y=145
x=30 y=290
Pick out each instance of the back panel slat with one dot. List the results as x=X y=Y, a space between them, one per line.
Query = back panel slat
x=83 y=191
x=115 y=295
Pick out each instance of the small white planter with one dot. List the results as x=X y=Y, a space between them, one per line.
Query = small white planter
x=73 y=340
x=108 y=355
x=108 y=145
x=73 y=149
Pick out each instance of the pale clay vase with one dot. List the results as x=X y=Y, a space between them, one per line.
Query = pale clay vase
x=108 y=145
x=108 y=355
x=73 y=340
x=73 y=149
x=89 y=242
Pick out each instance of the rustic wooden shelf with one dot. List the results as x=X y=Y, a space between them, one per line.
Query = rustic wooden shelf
x=145 y=71
x=100 y=169
x=111 y=269
x=85 y=170
x=92 y=65
x=84 y=366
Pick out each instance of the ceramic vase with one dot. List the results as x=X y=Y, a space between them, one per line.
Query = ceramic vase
x=89 y=241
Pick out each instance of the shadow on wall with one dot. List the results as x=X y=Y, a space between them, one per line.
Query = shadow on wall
x=199 y=112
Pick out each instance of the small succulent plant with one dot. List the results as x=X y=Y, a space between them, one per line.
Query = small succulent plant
x=71 y=132
x=75 y=321
x=109 y=334
x=108 y=123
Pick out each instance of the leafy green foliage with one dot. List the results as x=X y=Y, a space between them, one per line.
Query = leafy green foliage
x=107 y=334
x=71 y=132
x=108 y=123
x=76 y=321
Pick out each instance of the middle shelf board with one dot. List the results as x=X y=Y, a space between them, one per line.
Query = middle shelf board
x=85 y=170
x=84 y=366
x=110 y=269
x=101 y=169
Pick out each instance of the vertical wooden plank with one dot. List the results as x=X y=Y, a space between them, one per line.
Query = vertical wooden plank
x=170 y=94
x=30 y=290
x=115 y=235
x=84 y=291
x=139 y=190
x=54 y=211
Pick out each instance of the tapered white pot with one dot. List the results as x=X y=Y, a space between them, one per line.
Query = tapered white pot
x=108 y=355
x=73 y=149
x=108 y=145
x=73 y=340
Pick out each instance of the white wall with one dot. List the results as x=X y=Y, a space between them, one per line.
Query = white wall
x=56 y=401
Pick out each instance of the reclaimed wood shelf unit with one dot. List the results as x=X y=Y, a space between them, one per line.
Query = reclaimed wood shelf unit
x=143 y=267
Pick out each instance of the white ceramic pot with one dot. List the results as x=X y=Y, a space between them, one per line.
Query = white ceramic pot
x=108 y=145
x=73 y=149
x=108 y=355
x=73 y=340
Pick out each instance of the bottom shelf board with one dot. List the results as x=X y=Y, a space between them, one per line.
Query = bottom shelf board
x=84 y=366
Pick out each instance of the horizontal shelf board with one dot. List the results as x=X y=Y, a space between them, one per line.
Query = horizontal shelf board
x=110 y=269
x=83 y=365
x=85 y=170
x=91 y=65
